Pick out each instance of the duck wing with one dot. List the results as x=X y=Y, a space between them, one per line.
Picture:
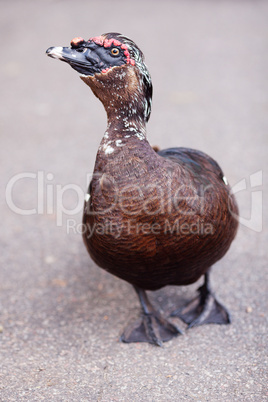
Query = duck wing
x=198 y=164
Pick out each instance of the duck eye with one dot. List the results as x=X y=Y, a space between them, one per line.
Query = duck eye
x=115 y=51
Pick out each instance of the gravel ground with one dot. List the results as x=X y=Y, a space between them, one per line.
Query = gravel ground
x=61 y=316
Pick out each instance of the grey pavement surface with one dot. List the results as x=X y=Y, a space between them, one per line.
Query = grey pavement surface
x=60 y=315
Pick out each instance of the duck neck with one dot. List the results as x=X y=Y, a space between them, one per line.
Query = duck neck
x=120 y=126
x=123 y=96
x=119 y=133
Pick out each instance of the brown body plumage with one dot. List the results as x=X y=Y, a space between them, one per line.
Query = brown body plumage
x=166 y=224
x=150 y=218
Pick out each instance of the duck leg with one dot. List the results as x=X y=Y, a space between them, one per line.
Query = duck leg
x=204 y=309
x=151 y=326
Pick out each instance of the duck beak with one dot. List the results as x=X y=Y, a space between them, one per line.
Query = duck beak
x=55 y=52
x=62 y=53
x=80 y=61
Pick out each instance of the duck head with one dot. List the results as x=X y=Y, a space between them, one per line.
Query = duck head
x=113 y=66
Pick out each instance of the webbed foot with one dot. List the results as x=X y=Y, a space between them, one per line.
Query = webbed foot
x=204 y=309
x=151 y=326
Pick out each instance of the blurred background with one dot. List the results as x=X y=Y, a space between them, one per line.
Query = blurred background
x=61 y=316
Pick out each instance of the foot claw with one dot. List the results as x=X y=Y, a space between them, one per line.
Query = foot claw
x=150 y=328
x=204 y=309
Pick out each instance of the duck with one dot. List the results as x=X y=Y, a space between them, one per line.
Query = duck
x=153 y=218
